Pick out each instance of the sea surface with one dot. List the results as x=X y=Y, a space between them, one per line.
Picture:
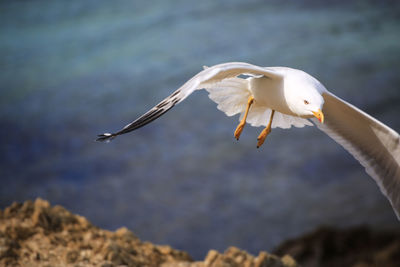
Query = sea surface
x=70 y=70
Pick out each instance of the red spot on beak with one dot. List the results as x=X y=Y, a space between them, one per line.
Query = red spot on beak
x=319 y=115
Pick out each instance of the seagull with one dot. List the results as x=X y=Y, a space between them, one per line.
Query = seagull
x=284 y=97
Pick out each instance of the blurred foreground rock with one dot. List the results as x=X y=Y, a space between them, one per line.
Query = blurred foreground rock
x=36 y=234
x=356 y=247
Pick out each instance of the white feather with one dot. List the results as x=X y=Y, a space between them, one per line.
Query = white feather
x=372 y=143
x=231 y=96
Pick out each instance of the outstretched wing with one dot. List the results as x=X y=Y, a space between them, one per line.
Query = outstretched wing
x=207 y=76
x=373 y=144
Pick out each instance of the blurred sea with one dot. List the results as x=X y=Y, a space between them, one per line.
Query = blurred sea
x=74 y=69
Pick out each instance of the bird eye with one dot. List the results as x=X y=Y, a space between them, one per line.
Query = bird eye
x=306 y=102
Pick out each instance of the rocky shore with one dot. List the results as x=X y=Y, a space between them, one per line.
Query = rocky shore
x=356 y=247
x=38 y=234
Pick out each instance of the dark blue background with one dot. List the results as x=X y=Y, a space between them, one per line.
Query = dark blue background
x=73 y=69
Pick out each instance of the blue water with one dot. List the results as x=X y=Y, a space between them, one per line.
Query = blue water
x=71 y=70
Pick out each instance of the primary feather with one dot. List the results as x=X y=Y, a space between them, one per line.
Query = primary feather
x=373 y=144
x=208 y=76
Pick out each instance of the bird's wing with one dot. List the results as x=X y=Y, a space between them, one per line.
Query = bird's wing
x=209 y=75
x=373 y=144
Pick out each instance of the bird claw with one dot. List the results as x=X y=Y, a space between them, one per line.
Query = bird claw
x=263 y=135
x=238 y=131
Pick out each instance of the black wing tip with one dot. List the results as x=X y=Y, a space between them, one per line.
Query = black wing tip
x=106 y=137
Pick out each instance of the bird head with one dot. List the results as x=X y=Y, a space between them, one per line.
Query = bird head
x=312 y=106
x=305 y=98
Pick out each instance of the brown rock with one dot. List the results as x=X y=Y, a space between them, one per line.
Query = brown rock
x=211 y=257
x=234 y=257
x=357 y=246
x=72 y=256
x=37 y=234
x=12 y=211
x=289 y=261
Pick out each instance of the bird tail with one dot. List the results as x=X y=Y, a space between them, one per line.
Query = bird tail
x=105 y=137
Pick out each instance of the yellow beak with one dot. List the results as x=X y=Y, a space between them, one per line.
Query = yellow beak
x=319 y=115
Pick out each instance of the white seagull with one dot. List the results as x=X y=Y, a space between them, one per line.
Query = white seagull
x=282 y=97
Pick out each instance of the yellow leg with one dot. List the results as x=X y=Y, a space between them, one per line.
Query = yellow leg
x=266 y=131
x=242 y=123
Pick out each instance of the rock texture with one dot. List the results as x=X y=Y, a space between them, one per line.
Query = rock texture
x=356 y=247
x=37 y=234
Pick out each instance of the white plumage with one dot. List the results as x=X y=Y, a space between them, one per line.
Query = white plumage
x=295 y=97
